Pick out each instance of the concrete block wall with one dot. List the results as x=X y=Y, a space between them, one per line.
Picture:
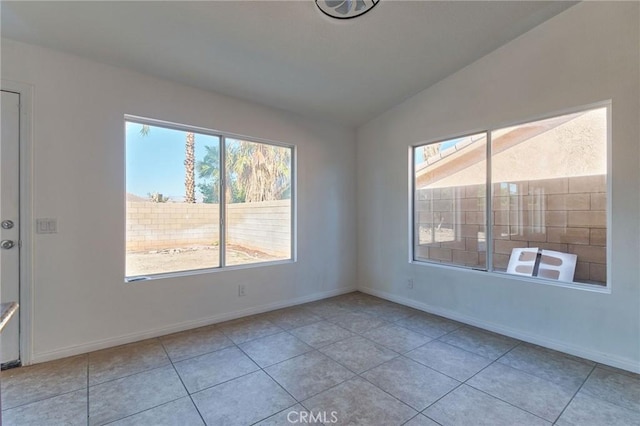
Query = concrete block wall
x=564 y=214
x=157 y=226
x=263 y=226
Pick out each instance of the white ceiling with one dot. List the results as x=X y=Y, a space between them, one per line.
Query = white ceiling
x=283 y=54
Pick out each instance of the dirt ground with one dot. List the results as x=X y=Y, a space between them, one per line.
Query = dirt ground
x=189 y=258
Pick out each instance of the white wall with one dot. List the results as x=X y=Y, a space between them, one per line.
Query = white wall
x=587 y=54
x=80 y=301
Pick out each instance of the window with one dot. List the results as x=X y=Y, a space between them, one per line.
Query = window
x=176 y=217
x=546 y=187
x=450 y=193
x=258 y=207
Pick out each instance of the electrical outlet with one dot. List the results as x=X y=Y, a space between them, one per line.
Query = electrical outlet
x=242 y=290
x=410 y=283
x=46 y=226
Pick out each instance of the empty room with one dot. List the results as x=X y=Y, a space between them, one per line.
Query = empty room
x=371 y=212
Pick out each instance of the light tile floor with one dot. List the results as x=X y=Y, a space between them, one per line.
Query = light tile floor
x=352 y=359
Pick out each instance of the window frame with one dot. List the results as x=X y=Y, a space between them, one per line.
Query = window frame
x=412 y=192
x=222 y=138
x=489 y=270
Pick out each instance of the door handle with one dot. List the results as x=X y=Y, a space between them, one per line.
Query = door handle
x=7 y=244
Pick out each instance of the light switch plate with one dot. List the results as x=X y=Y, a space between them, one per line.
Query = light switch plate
x=46 y=226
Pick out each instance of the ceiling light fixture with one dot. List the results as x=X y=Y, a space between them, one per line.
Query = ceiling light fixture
x=345 y=9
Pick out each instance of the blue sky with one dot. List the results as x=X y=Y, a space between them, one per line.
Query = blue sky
x=444 y=145
x=155 y=162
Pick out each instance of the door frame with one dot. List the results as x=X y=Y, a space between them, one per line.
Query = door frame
x=26 y=245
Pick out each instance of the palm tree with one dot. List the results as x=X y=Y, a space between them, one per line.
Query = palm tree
x=262 y=171
x=189 y=164
x=255 y=172
x=189 y=168
x=209 y=170
x=430 y=151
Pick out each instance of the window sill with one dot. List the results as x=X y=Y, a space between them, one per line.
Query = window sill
x=180 y=274
x=482 y=272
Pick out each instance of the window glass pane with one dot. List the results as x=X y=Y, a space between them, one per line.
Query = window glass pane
x=172 y=211
x=549 y=198
x=258 y=196
x=449 y=201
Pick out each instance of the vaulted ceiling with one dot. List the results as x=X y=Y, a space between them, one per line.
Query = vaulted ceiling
x=283 y=54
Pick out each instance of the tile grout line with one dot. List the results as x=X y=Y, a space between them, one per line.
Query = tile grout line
x=350 y=309
x=213 y=327
x=328 y=344
x=415 y=331
x=630 y=374
x=388 y=323
x=518 y=342
x=391 y=395
x=430 y=368
x=260 y=368
x=326 y=319
x=600 y=366
x=398 y=355
x=455 y=347
x=43 y=399
x=88 y=394
x=359 y=375
x=272 y=379
x=355 y=374
x=331 y=359
x=225 y=381
x=274 y=414
x=140 y=412
x=146 y=371
x=355 y=334
x=237 y=346
x=576 y=393
x=498 y=398
x=509 y=403
x=527 y=373
x=349 y=368
x=535 y=374
x=182 y=381
x=464 y=382
x=189 y=358
x=360 y=334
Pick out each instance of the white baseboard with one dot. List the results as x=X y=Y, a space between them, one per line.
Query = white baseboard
x=597 y=356
x=134 y=337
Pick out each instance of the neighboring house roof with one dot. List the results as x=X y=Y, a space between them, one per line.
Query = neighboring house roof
x=133 y=197
x=457 y=164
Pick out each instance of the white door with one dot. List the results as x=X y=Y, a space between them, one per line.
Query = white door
x=9 y=222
